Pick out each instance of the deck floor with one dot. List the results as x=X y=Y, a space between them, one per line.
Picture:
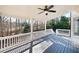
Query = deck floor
x=61 y=45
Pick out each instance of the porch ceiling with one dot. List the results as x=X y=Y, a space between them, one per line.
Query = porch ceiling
x=31 y=11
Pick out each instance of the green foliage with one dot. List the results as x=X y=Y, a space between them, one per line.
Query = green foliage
x=62 y=24
x=26 y=28
x=50 y=24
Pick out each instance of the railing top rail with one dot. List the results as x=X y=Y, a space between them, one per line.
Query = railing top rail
x=22 y=34
x=63 y=29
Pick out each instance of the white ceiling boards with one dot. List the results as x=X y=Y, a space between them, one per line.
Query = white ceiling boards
x=31 y=11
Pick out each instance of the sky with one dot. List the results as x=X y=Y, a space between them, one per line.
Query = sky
x=67 y=14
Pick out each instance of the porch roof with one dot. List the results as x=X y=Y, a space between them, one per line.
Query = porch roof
x=31 y=11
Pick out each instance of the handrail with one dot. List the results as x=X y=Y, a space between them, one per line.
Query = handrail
x=10 y=42
x=63 y=32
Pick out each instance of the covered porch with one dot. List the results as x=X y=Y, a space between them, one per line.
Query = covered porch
x=46 y=40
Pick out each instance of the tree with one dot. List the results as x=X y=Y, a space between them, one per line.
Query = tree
x=62 y=24
x=50 y=24
x=26 y=28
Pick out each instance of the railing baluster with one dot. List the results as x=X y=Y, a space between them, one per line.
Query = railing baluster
x=7 y=42
x=1 y=44
x=15 y=40
x=12 y=41
x=19 y=39
x=4 y=43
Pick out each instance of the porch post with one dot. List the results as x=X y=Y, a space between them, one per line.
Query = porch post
x=31 y=28
x=72 y=26
x=45 y=25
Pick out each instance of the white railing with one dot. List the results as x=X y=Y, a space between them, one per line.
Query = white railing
x=63 y=32
x=10 y=42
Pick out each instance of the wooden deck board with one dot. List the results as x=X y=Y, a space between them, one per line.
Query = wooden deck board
x=61 y=45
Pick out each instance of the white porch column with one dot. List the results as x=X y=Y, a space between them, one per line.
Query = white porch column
x=45 y=25
x=72 y=24
x=31 y=28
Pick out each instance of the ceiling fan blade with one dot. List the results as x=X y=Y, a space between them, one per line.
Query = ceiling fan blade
x=40 y=8
x=46 y=7
x=51 y=11
x=50 y=6
x=41 y=12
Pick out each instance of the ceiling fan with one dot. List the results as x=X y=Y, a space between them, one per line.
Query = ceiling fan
x=47 y=9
